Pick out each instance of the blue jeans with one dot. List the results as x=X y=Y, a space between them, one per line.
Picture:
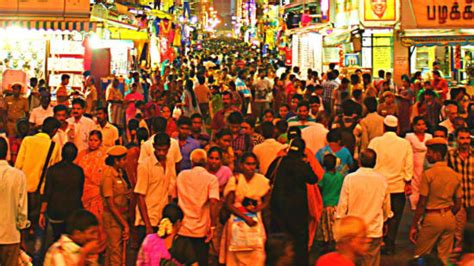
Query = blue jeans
x=186 y=9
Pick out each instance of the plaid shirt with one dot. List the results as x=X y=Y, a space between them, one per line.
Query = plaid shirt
x=466 y=169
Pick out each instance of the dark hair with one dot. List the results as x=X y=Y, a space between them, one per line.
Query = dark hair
x=439 y=148
x=251 y=121
x=297 y=146
x=416 y=119
x=329 y=162
x=223 y=132
x=267 y=129
x=158 y=124
x=367 y=76
x=462 y=130
x=331 y=76
x=436 y=72
x=184 y=120
x=65 y=76
x=196 y=115
x=110 y=160
x=214 y=149
x=133 y=124
x=429 y=93
x=50 y=124
x=142 y=135
x=173 y=212
x=368 y=158
x=275 y=248
x=390 y=129
x=189 y=87
x=79 y=101
x=248 y=155
x=334 y=135
x=371 y=104
x=235 y=118
x=314 y=99
x=80 y=220
x=441 y=128
x=96 y=133
x=69 y=152
x=355 y=79
x=103 y=109
x=281 y=125
x=294 y=132
x=381 y=73
x=59 y=108
x=356 y=94
x=161 y=139
x=227 y=93
x=3 y=148
x=303 y=104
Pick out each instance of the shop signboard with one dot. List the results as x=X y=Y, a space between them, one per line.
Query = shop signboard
x=69 y=8
x=379 y=13
x=443 y=13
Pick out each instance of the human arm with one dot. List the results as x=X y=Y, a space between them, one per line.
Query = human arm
x=229 y=201
x=140 y=189
x=108 y=194
x=48 y=190
x=343 y=204
x=420 y=209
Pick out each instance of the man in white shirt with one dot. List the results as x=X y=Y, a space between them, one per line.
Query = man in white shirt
x=198 y=195
x=267 y=151
x=110 y=134
x=315 y=137
x=40 y=113
x=14 y=208
x=372 y=124
x=159 y=126
x=61 y=137
x=364 y=194
x=156 y=186
x=79 y=125
x=395 y=162
x=451 y=112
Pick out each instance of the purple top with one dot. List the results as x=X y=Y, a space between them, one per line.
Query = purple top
x=153 y=251
x=223 y=175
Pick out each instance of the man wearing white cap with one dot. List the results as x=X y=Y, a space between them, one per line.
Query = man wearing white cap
x=395 y=162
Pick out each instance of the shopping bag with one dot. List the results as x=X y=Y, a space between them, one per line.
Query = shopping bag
x=244 y=237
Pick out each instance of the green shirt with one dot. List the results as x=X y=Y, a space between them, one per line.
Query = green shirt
x=330 y=187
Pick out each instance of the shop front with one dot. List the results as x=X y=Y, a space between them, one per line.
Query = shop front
x=306 y=47
x=441 y=32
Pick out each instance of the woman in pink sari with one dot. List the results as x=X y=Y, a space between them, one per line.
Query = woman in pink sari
x=92 y=161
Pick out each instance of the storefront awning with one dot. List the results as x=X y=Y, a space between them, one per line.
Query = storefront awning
x=337 y=37
x=70 y=25
x=438 y=37
x=311 y=28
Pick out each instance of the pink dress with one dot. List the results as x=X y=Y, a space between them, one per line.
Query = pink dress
x=153 y=252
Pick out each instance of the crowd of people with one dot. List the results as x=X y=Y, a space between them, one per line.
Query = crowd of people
x=223 y=157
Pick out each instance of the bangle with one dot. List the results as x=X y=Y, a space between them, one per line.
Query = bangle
x=213 y=228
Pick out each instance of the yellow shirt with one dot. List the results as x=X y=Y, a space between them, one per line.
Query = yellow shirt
x=32 y=156
x=109 y=134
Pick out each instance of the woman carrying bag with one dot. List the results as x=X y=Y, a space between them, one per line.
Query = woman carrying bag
x=246 y=195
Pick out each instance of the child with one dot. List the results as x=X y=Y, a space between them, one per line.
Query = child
x=281 y=128
x=330 y=187
x=79 y=246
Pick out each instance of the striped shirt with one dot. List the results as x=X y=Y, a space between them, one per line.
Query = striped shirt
x=296 y=122
x=465 y=167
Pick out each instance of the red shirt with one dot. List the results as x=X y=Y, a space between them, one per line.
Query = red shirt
x=441 y=86
x=334 y=258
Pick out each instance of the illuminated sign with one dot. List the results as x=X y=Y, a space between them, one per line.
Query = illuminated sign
x=379 y=13
x=70 y=8
x=443 y=13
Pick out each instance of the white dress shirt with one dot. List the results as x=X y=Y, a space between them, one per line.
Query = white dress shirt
x=82 y=128
x=110 y=134
x=146 y=150
x=394 y=160
x=195 y=188
x=315 y=136
x=448 y=125
x=157 y=184
x=266 y=152
x=364 y=194
x=13 y=206
x=39 y=114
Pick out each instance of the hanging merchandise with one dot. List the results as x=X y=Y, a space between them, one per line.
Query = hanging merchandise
x=457 y=57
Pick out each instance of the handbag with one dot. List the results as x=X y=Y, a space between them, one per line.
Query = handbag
x=245 y=237
x=34 y=198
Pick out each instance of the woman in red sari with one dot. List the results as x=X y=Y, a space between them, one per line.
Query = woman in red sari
x=92 y=161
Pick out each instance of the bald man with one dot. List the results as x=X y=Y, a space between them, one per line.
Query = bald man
x=198 y=195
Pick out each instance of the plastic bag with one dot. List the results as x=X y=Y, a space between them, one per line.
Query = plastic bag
x=244 y=237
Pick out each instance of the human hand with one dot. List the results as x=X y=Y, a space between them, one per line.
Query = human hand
x=149 y=230
x=407 y=189
x=42 y=221
x=126 y=233
x=413 y=234
x=250 y=222
x=210 y=234
x=93 y=247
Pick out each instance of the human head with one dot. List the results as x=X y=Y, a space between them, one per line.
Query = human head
x=101 y=114
x=69 y=152
x=388 y=76
x=132 y=126
x=334 y=136
x=283 y=111
x=420 y=125
x=350 y=234
x=437 y=149
x=366 y=78
x=441 y=132
x=16 y=90
x=390 y=124
x=170 y=223
x=303 y=111
x=95 y=140
x=166 y=112
x=224 y=138
x=268 y=116
x=248 y=125
x=161 y=145
x=295 y=101
x=436 y=74
x=65 y=79
x=158 y=124
x=226 y=99
x=268 y=130
x=45 y=99
x=314 y=104
x=198 y=158
x=368 y=158
x=214 y=158
x=60 y=113
x=296 y=147
x=248 y=164
x=451 y=112
x=371 y=104
x=279 y=250
x=3 y=149
x=50 y=126
x=196 y=123
x=142 y=135
x=78 y=106
x=381 y=73
x=234 y=120
x=82 y=227
x=184 y=127
x=116 y=156
x=463 y=138
x=355 y=79
x=329 y=162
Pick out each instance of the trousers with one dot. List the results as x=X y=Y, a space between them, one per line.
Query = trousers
x=397 y=201
x=372 y=257
x=114 y=248
x=9 y=254
x=436 y=227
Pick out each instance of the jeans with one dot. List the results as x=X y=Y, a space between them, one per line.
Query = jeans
x=397 y=205
x=186 y=9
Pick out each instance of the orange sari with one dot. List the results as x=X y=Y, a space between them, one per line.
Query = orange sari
x=93 y=165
